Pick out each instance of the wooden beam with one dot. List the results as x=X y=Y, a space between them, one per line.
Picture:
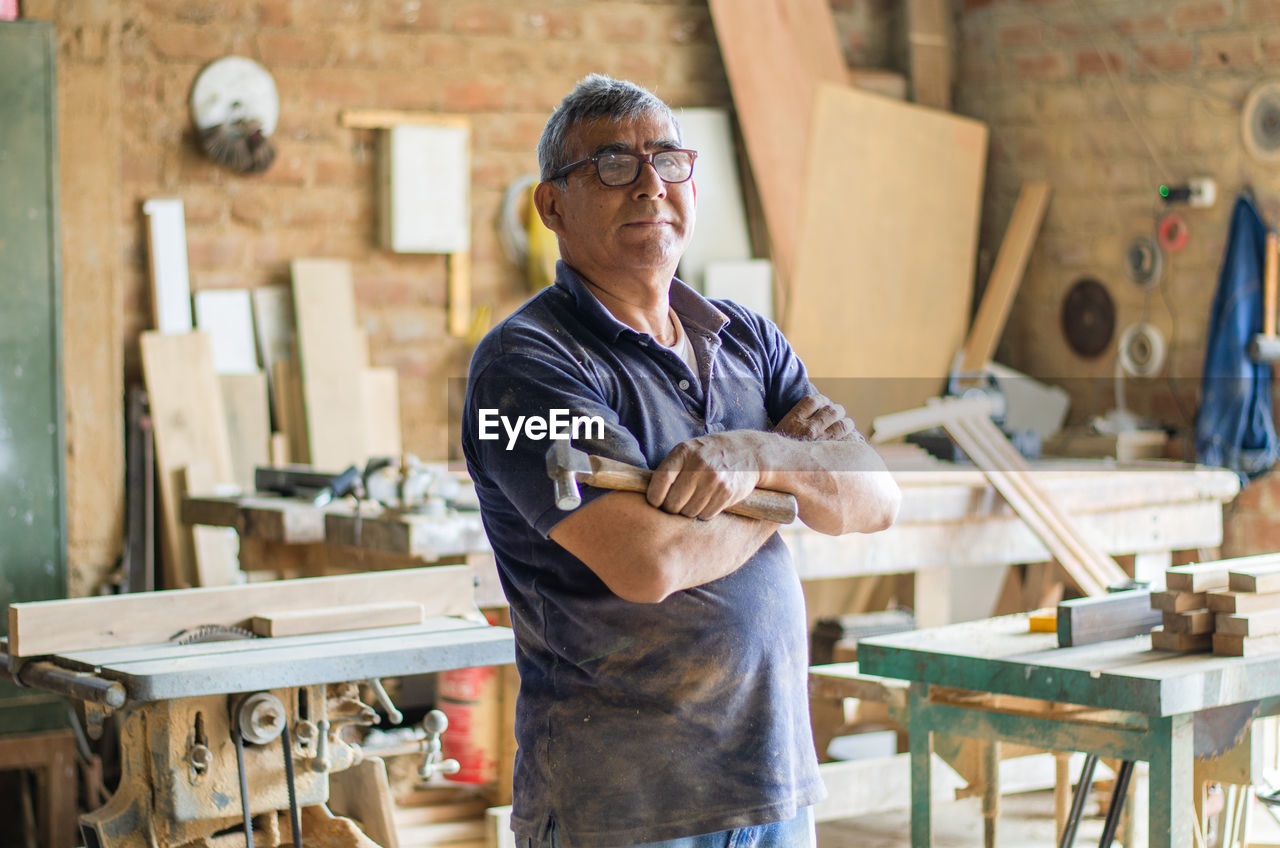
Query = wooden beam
x=332 y=619
x=381 y=119
x=1006 y=275
x=1084 y=621
x=48 y=627
x=929 y=42
x=1196 y=578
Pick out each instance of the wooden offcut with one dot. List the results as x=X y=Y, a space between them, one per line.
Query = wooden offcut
x=49 y=627
x=1242 y=602
x=244 y=399
x=1260 y=579
x=190 y=427
x=1262 y=623
x=329 y=357
x=1163 y=640
x=1084 y=621
x=333 y=619
x=1202 y=577
x=1245 y=646
x=1006 y=275
x=929 y=42
x=879 y=299
x=1192 y=621
x=380 y=392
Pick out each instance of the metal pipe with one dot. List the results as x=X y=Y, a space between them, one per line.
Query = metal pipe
x=1118 y=795
x=295 y=818
x=82 y=685
x=1077 y=802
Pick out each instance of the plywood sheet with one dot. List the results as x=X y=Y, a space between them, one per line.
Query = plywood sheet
x=879 y=300
x=190 y=428
x=381 y=405
x=330 y=357
x=774 y=65
x=227 y=316
x=244 y=398
x=721 y=233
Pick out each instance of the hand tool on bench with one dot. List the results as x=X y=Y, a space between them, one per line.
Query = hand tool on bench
x=568 y=466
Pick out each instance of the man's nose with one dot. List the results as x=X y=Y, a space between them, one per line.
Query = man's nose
x=648 y=183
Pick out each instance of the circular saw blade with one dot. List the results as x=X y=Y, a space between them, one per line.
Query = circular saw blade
x=1088 y=317
x=1220 y=729
x=1260 y=122
x=211 y=633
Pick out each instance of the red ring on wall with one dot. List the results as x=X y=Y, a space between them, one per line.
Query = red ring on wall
x=1173 y=233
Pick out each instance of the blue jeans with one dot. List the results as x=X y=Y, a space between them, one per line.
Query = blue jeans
x=796 y=833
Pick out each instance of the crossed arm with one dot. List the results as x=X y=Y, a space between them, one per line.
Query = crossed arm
x=644 y=554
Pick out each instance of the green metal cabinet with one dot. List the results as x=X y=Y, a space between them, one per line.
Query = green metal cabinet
x=33 y=523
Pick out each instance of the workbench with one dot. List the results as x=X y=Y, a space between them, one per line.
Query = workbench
x=951 y=518
x=1117 y=699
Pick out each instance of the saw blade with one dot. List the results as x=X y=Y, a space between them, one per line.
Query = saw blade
x=211 y=633
x=1220 y=729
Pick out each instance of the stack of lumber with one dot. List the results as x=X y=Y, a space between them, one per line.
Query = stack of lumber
x=1229 y=606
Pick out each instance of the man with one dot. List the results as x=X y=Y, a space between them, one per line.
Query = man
x=660 y=641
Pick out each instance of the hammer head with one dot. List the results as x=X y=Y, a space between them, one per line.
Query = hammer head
x=564 y=464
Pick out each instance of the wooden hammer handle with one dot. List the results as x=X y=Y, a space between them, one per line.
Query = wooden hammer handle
x=764 y=504
x=1269 y=287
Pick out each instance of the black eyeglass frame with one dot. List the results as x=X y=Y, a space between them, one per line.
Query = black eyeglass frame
x=565 y=170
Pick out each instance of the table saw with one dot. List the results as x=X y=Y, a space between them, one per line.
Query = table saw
x=228 y=740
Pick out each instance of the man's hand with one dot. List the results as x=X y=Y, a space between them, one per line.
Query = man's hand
x=817 y=419
x=703 y=476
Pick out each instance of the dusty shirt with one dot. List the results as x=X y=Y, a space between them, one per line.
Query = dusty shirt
x=639 y=722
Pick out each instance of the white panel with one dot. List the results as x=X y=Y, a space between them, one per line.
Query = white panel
x=170 y=285
x=227 y=316
x=721 y=232
x=748 y=282
x=426 y=189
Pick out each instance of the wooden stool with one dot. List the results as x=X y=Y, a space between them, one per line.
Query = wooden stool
x=52 y=756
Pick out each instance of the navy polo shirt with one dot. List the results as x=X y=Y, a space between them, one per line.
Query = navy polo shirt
x=639 y=722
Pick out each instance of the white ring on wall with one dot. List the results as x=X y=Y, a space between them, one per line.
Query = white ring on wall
x=1141 y=350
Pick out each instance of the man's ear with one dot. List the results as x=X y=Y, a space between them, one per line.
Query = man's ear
x=548 y=200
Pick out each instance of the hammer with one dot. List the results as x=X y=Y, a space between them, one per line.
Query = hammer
x=567 y=466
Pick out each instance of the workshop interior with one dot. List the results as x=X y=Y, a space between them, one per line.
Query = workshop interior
x=248 y=248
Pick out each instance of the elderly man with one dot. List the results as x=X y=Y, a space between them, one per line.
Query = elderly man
x=661 y=641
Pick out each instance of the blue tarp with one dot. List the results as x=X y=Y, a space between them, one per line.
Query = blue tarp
x=1234 y=427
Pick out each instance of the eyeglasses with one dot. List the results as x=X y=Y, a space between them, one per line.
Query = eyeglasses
x=619 y=169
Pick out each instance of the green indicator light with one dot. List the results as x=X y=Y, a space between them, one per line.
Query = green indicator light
x=1164 y=191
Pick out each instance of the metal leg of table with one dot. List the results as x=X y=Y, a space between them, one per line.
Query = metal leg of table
x=990 y=792
x=921 y=739
x=1171 y=781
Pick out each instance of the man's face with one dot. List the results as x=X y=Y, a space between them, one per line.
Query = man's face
x=643 y=226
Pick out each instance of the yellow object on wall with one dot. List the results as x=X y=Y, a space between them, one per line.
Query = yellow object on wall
x=544 y=250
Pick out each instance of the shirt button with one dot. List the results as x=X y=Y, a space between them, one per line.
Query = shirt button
x=684 y=385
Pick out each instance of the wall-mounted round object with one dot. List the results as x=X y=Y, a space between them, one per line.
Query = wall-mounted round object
x=1144 y=261
x=1260 y=122
x=234 y=106
x=1088 y=317
x=1142 y=350
x=1172 y=233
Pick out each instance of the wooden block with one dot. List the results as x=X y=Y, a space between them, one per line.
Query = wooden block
x=329 y=356
x=1193 y=621
x=331 y=619
x=380 y=390
x=48 y=627
x=1242 y=602
x=919 y=165
x=244 y=398
x=1196 y=578
x=213 y=548
x=1260 y=579
x=190 y=427
x=1162 y=640
x=362 y=792
x=1043 y=621
x=1263 y=623
x=1179 y=601
x=1245 y=646
x=1083 y=621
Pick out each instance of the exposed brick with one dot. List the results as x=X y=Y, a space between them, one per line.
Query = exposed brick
x=189 y=11
x=188 y=41
x=252 y=206
x=1256 y=11
x=1146 y=24
x=1021 y=35
x=1091 y=61
x=274 y=12
x=1229 y=50
x=342 y=170
x=295 y=48
x=1166 y=55
x=213 y=251
x=616 y=23
x=548 y=23
x=1040 y=66
x=1271 y=48
x=345 y=12
x=473 y=96
x=483 y=20
x=1201 y=14
x=975 y=5
x=412 y=14
x=1163 y=102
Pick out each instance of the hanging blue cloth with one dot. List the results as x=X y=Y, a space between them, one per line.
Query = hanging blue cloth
x=1234 y=427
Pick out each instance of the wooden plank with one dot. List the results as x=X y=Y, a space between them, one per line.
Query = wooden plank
x=1163 y=640
x=273 y=331
x=1006 y=275
x=459 y=300
x=261 y=517
x=1201 y=577
x=722 y=234
x=291 y=410
x=1175 y=601
x=1192 y=621
x=1262 y=623
x=880 y=334
x=895 y=425
x=1245 y=646
x=1261 y=579
x=1243 y=602
x=929 y=41
x=363 y=792
x=774 y=103
x=227 y=316
x=244 y=398
x=380 y=390
x=344 y=617
x=189 y=426
x=409 y=535
x=49 y=627
x=879 y=81
x=1085 y=621
x=167 y=249
x=213 y=549
x=329 y=354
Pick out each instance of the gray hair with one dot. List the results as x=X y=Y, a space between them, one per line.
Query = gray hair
x=596 y=96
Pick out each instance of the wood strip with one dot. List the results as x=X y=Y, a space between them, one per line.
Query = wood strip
x=1202 y=577
x=1245 y=646
x=929 y=42
x=1261 y=579
x=1243 y=602
x=50 y=627
x=1162 y=640
x=332 y=619
x=1006 y=275
x=1261 y=623
x=329 y=359
x=273 y=331
x=380 y=390
x=1174 y=601
x=244 y=398
x=291 y=410
x=1193 y=621
x=1085 y=621
x=167 y=248
x=363 y=792
x=1270 y=285
x=213 y=548
x=190 y=427
x=459 y=301
x=895 y=425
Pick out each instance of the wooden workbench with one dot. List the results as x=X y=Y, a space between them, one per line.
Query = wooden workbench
x=1117 y=699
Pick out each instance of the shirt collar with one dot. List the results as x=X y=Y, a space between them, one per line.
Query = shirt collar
x=695 y=311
